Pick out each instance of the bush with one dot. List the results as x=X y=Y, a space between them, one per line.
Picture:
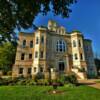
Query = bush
x=21 y=82
x=46 y=82
x=30 y=82
x=71 y=79
x=39 y=76
x=24 y=81
x=70 y=85
x=42 y=82
x=1 y=81
x=62 y=79
x=6 y=81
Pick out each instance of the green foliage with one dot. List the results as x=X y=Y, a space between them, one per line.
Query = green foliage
x=67 y=79
x=5 y=81
x=76 y=31
x=71 y=79
x=62 y=79
x=97 y=63
x=42 y=82
x=70 y=85
x=22 y=13
x=7 y=56
x=39 y=76
x=17 y=81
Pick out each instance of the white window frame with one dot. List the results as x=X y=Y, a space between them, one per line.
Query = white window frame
x=60 y=46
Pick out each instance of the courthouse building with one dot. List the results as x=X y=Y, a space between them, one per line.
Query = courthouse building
x=52 y=50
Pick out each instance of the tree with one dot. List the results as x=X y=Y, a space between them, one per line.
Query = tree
x=21 y=13
x=7 y=56
x=97 y=63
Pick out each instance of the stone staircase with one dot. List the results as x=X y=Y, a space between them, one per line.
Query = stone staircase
x=80 y=75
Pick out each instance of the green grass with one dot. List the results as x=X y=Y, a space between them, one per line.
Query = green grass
x=40 y=93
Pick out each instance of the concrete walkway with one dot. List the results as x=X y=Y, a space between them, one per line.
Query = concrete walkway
x=91 y=82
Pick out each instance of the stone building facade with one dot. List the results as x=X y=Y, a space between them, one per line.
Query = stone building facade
x=53 y=51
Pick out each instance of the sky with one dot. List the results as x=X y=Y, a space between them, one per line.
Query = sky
x=85 y=17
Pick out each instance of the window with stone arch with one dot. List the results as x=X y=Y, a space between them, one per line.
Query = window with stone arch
x=61 y=46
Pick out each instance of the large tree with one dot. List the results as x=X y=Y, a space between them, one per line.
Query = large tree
x=21 y=13
x=97 y=63
x=7 y=56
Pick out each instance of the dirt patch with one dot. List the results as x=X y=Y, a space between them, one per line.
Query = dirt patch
x=56 y=92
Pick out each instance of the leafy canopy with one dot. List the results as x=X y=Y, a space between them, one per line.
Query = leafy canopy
x=21 y=13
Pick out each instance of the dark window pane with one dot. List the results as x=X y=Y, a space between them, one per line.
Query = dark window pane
x=34 y=69
x=29 y=70
x=41 y=69
x=30 y=56
x=41 y=55
x=37 y=40
x=81 y=56
x=79 y=42
x=20 y=70
x=60 y=42
x=42 y=39
x=24 y=43
x=36 y=54
x=31 y=44
x=76 y=57
x=22 y=56
x=61 y=66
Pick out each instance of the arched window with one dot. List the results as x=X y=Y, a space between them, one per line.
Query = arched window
x=60 y=46
x=24 y=43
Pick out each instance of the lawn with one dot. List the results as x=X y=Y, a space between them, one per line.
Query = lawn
x=40 y=93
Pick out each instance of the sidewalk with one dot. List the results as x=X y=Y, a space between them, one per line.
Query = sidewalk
x=91 y=82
